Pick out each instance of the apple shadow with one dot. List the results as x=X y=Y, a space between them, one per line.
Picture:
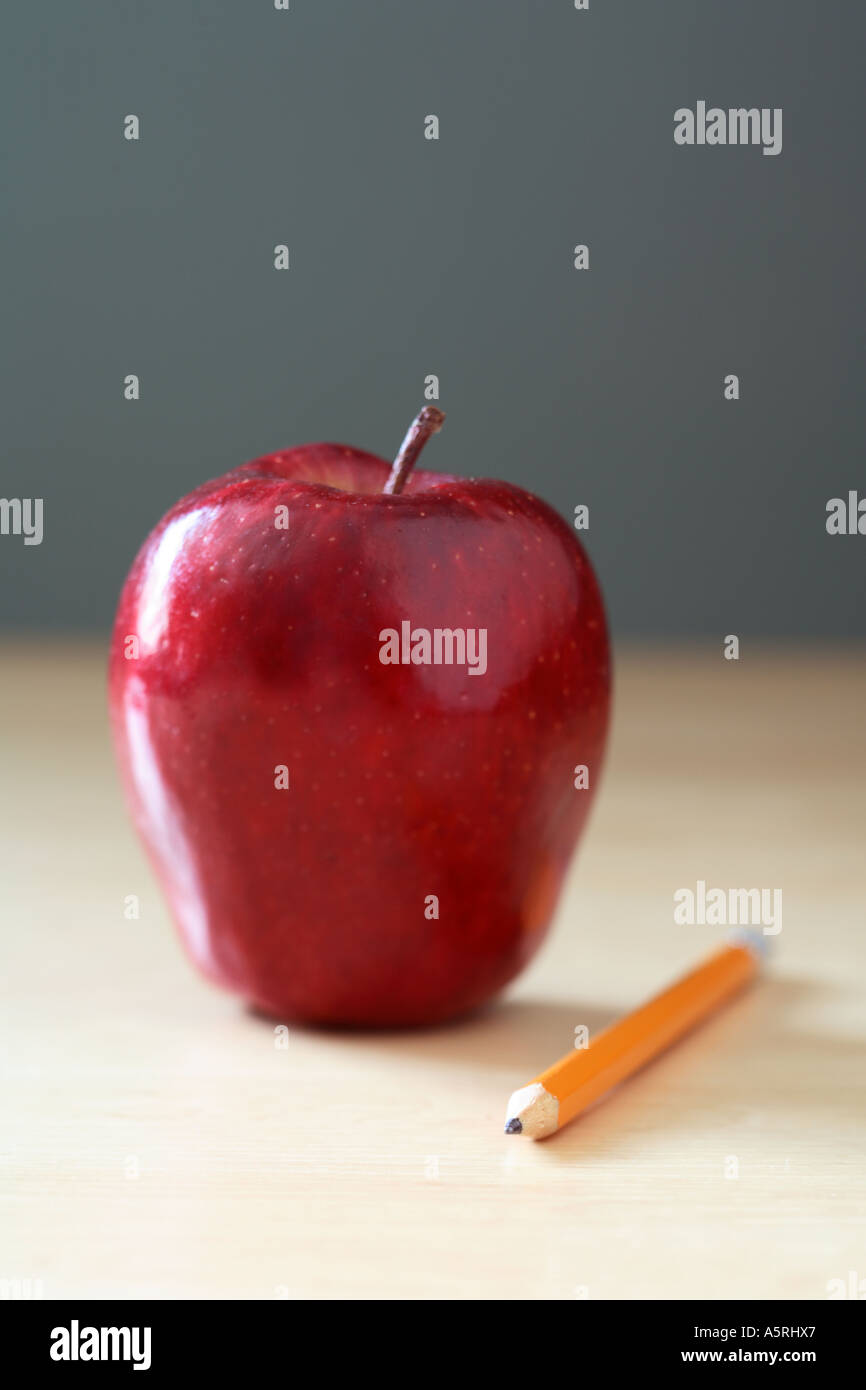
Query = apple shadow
x=504 y=1035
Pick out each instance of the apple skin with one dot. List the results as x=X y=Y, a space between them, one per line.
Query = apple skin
x=258 y=647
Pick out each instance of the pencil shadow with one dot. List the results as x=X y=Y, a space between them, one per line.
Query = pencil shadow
x=515 y=1037
x=513 y=1040
x=817 y=1080
x=509 y=1042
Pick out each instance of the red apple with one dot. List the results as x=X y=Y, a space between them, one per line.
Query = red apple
x=344 y=838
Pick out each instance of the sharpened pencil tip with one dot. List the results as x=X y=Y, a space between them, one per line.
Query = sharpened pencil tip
x=514 y=1127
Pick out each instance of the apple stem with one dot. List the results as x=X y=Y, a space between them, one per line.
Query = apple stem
x=426 y=423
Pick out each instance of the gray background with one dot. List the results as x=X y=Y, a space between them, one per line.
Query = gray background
x=411 y=257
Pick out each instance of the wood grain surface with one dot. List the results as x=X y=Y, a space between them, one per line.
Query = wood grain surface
x=156 y=1142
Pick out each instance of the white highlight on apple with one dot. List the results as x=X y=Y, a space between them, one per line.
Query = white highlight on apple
x=153 y=605
x=164 y=825
x=441 y=646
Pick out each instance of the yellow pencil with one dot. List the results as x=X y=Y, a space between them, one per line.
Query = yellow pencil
x=579 y=1078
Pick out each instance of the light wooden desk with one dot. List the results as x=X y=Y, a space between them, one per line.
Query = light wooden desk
x=155 y=1143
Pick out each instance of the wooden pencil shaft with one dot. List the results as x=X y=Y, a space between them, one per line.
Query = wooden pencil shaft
x=580 y=1078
